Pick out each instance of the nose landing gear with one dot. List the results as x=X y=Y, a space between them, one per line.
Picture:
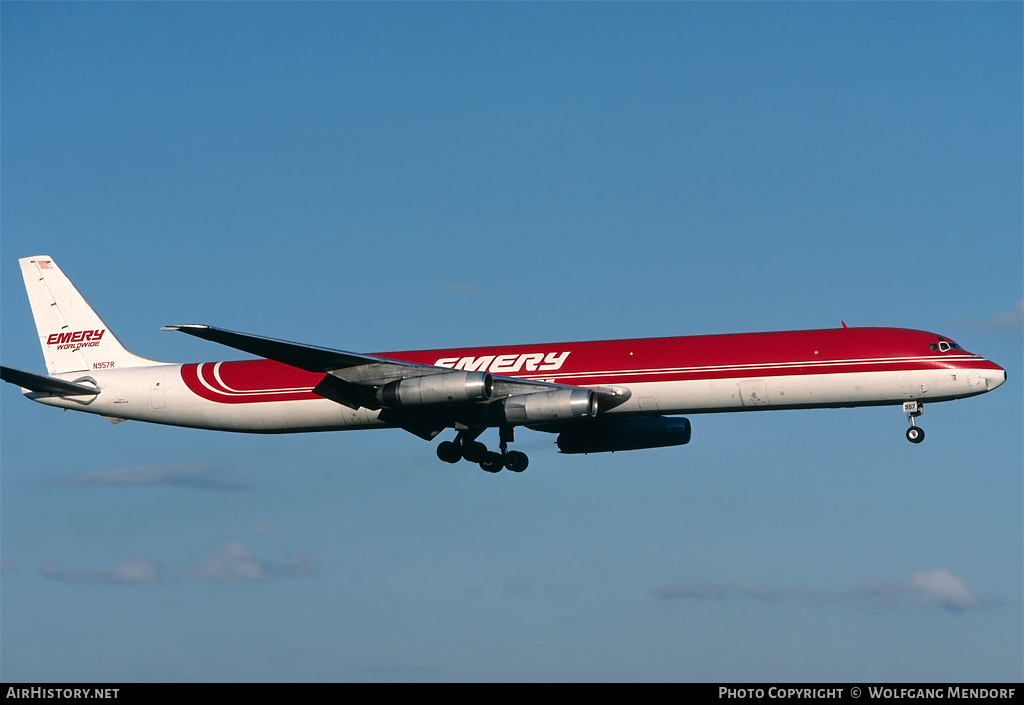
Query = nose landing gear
x=913 y=409
x=466 y=447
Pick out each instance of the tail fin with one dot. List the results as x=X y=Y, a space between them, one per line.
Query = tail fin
x=72 y=336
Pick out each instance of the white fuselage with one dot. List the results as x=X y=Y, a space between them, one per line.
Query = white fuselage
x=158 y=394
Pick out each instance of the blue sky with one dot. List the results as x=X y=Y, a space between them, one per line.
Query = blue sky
x=378 y=177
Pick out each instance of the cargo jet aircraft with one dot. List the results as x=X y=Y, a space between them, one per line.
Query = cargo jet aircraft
x=597 y=396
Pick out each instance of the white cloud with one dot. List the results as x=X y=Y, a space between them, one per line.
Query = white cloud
x=927 y=589
x=234 y=562
x=237 y=562
x=1014 y=320
x=129 y=571
x=942 y=588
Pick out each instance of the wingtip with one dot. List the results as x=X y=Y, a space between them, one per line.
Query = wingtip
x=183 y=326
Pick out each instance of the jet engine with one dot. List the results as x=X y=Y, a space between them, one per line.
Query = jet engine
x=447 y=388
x=546 y=407
x=611 y=434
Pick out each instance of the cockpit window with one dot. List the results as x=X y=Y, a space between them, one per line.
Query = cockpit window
x=944 y=345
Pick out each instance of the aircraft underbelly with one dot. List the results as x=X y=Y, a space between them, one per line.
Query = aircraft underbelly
x=265 y=417
x=158 y=395
x=786 y=391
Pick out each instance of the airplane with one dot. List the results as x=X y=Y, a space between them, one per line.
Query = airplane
x=602 y=396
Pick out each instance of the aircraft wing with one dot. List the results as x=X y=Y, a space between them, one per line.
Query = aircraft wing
x=42 y=383
x=353 y=379
x=354 y=368
x=305 y=357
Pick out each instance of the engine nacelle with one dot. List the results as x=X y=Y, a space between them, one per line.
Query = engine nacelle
x=611 y=434
x=545 y=407
x=446 y=388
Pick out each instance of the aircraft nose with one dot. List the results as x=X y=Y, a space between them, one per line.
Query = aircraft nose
x=993 y=378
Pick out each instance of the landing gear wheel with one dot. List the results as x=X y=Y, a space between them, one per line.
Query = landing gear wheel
x=474 y=451
x=915 y=434
x=449 y=452
x=516 y=461
x=492 y=462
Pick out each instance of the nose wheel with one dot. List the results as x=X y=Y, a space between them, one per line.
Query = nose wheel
x=913 y=409
x=466 y=447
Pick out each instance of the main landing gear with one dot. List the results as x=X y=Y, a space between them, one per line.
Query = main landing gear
x=913 y=409
x=466 y=447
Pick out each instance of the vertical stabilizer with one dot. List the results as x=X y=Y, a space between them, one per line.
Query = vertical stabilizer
x=73 y=337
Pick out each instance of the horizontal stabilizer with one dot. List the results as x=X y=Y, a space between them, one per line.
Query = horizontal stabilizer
x=42 y=383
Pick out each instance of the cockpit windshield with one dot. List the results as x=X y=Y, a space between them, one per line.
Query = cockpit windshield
x=944 y=345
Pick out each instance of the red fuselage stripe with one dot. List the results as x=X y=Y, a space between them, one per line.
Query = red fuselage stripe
x=623 y=362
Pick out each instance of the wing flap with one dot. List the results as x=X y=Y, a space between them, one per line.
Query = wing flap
x=346 y=393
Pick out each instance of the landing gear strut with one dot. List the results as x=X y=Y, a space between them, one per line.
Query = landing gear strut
x=913 y=409
x=512 y=459
x=466 y=447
